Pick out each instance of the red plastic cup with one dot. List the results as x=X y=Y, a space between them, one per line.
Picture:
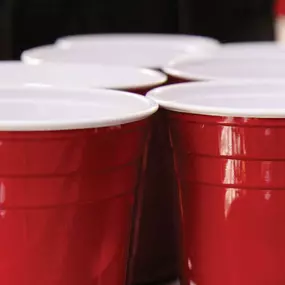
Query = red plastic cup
x=70 y=165
x=158 y=262
x=140 y=50
x=227 y=141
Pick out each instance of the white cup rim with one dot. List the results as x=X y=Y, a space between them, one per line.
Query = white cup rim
x=148 y=51
x=218 y=68
x=31 y=108
x=232 y=98
x=79 y=76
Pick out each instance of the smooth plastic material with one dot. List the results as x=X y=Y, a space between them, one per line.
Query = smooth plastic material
x=143 y=50
x=13 y=73
x=259 y=50
x=218 y=68
x=230 y=172
x=231 y=186
x=68 y=197
x=57 y=224
x=159 y=262
x=251 y=98
x=34 y=108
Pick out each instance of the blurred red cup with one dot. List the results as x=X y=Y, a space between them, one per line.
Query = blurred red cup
x=70 y=165
x=229 y=161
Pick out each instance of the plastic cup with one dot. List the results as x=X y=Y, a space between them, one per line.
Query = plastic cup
x=159 y=261
x=227 y=140
x=70 y=164
x=219 y=68
x=141 y=50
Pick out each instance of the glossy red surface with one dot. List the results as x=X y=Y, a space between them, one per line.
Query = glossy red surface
x=232 y=198
x=66 y=204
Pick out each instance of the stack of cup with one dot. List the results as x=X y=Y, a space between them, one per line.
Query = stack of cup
x=70 y=164
x=227 y=139
x=155 y=247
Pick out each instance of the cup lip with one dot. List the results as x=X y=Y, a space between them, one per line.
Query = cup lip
x=258 y=50
x=53 y=103
x=222 y=69
x=155 y=50
x=80 y=75
x=89 y=39
x=238 y=51
x=173 y=98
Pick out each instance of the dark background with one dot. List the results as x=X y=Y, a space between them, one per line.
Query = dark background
x=28 y=23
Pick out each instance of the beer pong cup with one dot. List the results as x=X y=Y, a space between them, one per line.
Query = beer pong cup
x=228 y=143
x=158 y=262
x=142 y=50
x=218 y=68
x=70 y=165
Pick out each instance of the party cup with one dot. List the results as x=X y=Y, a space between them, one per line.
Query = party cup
x=158 y=262
x=70 y=165
x=227 y=140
